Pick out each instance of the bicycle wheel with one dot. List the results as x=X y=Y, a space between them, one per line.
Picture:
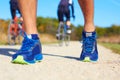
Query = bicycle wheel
x=61 y=36
x=67 y=39
x=19 y=37
x=11 y=36
x=66 y=36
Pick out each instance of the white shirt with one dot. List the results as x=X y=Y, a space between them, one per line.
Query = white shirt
x=70 y=1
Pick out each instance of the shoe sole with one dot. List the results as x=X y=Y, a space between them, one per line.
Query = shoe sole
x=20 y=60
x=87 y=59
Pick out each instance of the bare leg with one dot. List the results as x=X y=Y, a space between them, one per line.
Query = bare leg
x=28 y=9
x=87 y=7
x=68 y=23
x=89 y=52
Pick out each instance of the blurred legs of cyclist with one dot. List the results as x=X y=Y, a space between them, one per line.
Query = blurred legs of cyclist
x=30 y=51
x=14 y=8
x=61 y=14
x=89 y=52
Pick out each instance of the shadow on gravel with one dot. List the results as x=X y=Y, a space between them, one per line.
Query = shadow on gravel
x=6 y=51
x=68 y=57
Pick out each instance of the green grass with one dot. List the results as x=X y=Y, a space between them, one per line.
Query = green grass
x=114 y=47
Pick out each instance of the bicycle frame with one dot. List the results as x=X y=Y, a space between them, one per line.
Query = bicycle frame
x=14 y=31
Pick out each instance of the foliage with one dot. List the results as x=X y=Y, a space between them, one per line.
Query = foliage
x=49 y=26
x=108 y=31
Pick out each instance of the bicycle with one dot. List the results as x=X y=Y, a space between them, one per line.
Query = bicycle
x=14 y=28
x=63 y=35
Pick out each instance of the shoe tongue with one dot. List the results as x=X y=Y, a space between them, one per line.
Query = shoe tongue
x=33 y=36
x=29 y=36
x=88 y=34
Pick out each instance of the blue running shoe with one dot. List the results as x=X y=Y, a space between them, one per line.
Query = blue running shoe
x=29 y=53
x=89 y=51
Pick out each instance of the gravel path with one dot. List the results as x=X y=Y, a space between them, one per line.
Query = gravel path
x=61 y=63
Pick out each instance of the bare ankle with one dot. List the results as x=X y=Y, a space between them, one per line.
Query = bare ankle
x=89 y=27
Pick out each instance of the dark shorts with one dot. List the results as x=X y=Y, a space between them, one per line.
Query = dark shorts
x=13 y=8
x=63 y=12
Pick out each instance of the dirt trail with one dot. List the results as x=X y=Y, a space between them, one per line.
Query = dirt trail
x=61 y=63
